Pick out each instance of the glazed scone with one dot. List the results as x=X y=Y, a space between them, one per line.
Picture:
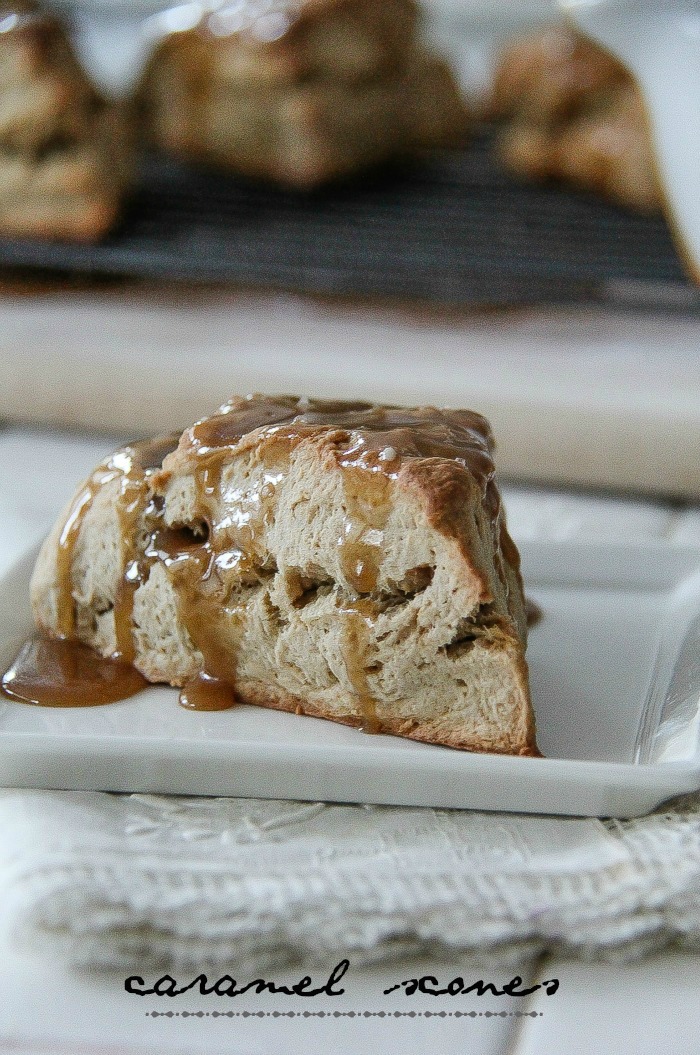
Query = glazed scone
x=340 y=560
x=343 y=86
x=572 y=112
x=305 y=135
x=65 y=154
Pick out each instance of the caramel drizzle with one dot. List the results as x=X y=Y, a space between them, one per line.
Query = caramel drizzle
x=205 y=693
x=200 y=571
x=130 y=511
x=67 y=542
x=358 y=620
x=131 y=466
x=533 y=613
x=214 y=628
x=368 y=503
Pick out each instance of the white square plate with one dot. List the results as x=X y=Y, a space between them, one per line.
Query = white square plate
x=615 y=675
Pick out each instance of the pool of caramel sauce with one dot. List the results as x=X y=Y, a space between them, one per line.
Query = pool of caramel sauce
x=50 y=672
x=371 y=442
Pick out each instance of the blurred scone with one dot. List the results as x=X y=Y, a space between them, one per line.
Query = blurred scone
x=65 y=154
x=572 y=112
x=300 y=93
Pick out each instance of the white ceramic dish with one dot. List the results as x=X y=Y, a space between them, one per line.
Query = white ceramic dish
x=615 y=671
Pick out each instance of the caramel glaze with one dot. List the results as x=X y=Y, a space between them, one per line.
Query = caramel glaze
x=211 y=562
x=130 y=467
x=371 y=443
x=62 y=672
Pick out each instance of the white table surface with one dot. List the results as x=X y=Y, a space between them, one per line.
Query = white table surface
x=574 y=394
x=46 y=1009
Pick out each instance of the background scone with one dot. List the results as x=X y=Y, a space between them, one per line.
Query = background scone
x=300 y=93
x=572 y=112
x=65 y=154
x=340 y=560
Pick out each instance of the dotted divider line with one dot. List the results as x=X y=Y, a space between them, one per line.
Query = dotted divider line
x=344 y=1014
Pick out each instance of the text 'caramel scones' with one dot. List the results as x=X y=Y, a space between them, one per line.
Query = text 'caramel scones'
x=299 y=92
x=342 y=560
x=65 y=153
x=572 y=112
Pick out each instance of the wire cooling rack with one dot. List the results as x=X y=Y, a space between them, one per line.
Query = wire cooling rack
x=453 y=229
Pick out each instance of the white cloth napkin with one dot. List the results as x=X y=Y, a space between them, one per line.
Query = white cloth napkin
x=140 y=880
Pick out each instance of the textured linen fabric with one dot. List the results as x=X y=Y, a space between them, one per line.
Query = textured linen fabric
x=133 y=881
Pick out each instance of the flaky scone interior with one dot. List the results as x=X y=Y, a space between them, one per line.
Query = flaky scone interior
x=342 y=560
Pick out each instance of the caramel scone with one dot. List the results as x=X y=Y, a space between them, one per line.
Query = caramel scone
x=65 y=154
x=572 y=112
x=341 y=560
x=339 y=85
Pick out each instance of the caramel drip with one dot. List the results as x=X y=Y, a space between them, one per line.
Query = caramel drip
x=124 y=621
x=368 y=501
x=64 y=672
x=215 y=630
x=359 y=561
x=204 y=693
x=213 y=623
x=131 y=508
x=68 y=540
x=358 y=620
x=55 y=673
x=130 y=465
x=214 y=626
